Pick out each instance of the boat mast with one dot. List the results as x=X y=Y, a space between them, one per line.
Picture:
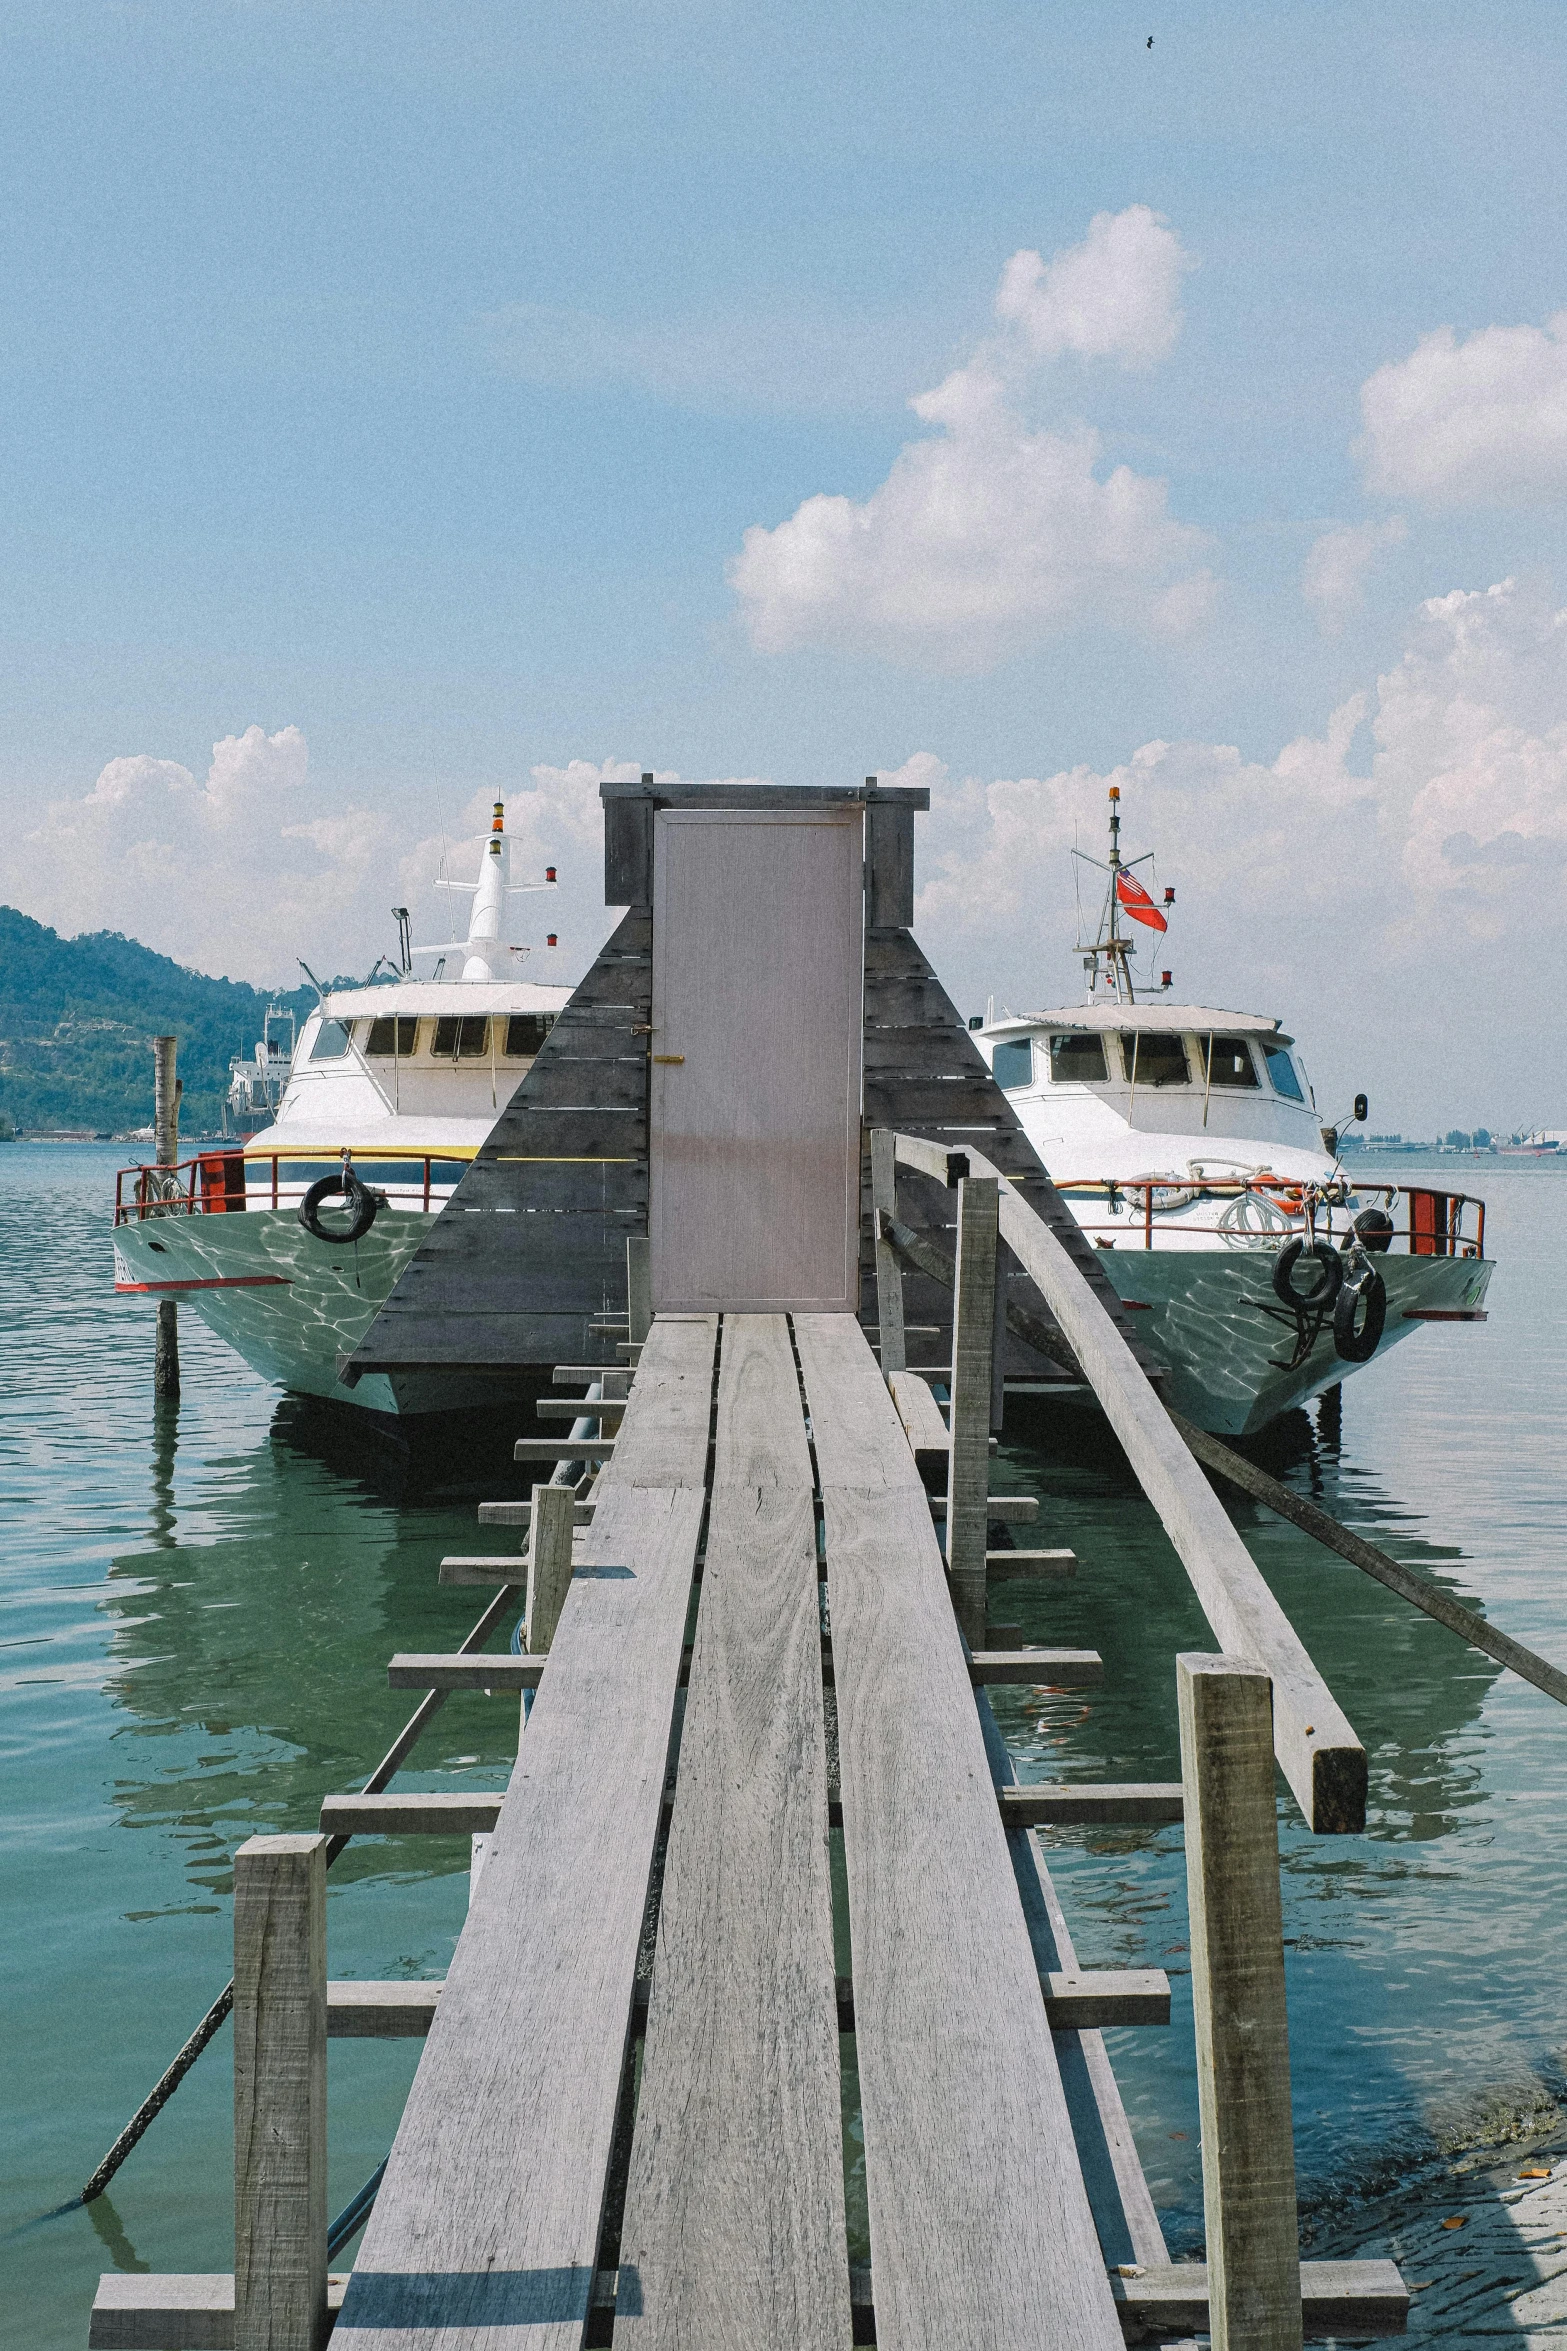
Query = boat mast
x=1116 y=950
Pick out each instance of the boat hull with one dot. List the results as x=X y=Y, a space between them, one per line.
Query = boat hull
x=291 y=1305
x=1212 y=1316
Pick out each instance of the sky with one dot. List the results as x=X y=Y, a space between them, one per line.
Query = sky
x=402 y=407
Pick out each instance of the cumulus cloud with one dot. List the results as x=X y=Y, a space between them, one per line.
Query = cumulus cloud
x=989 y=534
x=1335 y=569
x=1471 y=422
x=1112 y=297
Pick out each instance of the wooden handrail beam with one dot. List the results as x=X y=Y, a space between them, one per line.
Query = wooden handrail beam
x=1315 y=1745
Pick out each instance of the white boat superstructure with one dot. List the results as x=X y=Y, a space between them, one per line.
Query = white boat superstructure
x=289 y=1247
x=257 y=1080
x=1188 y=1143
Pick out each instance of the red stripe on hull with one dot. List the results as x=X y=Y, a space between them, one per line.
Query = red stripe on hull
x=236 y=1281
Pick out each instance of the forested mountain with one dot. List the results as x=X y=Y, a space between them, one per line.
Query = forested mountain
x=77 y=1017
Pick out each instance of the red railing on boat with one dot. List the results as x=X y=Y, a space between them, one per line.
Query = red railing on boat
x=213 y=1183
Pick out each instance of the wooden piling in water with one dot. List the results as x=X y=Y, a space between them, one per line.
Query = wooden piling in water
x=280 y=2301
x=1237 y=1948
x=166 y=1131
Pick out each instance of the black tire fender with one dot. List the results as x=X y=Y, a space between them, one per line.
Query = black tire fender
x=1322 y=1253
x=1357 y=1342
x=363 y=1205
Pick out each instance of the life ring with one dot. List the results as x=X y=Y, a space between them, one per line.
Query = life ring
x=1325 y=1255
x=363 y=1206
x=1357 y=1342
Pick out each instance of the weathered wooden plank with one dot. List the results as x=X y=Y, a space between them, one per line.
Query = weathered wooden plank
x=364 y=2010
x=921 y=1417
x=134 y=2311
x=563 y=1448
x=889 y=1276
x=639 y=1288
x=450 y=1669
x=980 y=2227
x=1090 y=1999
x=518 y=1514
x=889 y=864
x=1002 y=1509
x=628 y=849
x=486 y=2229
x=280 y=2094
x=1352 y=2301
x=549 y=1563
x=1007 y=1566
x=574 y=1408
x=454 y=1812
x=1042 y=1804
x=1236 y=1927
x=734 y=2218
x=973 y=1350
x=1063 y=1669
x=1316 y=1746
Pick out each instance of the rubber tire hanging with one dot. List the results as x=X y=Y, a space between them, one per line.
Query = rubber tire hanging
x=1326 y=1256
x=1352 y=1344
x=363 y=1205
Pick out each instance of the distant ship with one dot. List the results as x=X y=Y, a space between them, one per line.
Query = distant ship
x=256 y=1082
x=1187 y=1143
x=288 y=1247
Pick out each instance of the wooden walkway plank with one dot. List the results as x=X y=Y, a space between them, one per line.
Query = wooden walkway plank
x=734 y=2230
x=981 y=2233
x=486 y=2229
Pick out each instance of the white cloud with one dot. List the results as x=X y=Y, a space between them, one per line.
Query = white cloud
x=1112 y=297
x=1475 y=422
x=988 y=534
x=1333 y=578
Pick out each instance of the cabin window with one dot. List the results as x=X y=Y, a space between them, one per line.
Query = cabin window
x=1232 y=1064
x=1078 y=1060
x=1282 y=1071
x=1153 y=1057
x=393 y=1036
x=526 y=1032
x=331 y=1042
x=464 y=1038
x=1012 y=1064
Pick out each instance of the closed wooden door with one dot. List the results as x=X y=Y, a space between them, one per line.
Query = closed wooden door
x=755 y=1099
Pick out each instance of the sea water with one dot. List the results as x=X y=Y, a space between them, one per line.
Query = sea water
x=198 y=1606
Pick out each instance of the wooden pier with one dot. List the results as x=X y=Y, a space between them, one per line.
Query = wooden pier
x=763 y=1871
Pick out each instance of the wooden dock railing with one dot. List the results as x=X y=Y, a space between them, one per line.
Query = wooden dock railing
x=1317 y=1750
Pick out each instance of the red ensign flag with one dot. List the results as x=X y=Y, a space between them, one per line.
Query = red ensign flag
x=1137 y=902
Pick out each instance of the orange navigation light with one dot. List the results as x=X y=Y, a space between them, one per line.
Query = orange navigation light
x=498 y=820
x=549 y=873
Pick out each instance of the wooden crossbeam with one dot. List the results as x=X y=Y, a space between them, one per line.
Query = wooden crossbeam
x=520 y=1514
x=460 y=1812
x=1005 y=1509
x=1041 y=1805
x=1063 y=1669
x=1089 y=1999
x=443 y=1669
x=566 y=1448
x=1353 y=2300
x=580 y=1407
x=1002 y=1566
x=363 y=2010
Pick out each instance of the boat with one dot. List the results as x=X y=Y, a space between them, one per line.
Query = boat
x=256 y=1081
x=287 y=1245
x=1187 y=1141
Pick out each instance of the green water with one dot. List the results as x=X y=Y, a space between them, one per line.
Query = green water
x=198 y=1609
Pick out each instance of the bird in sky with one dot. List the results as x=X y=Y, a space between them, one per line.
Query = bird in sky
x=1150 y=40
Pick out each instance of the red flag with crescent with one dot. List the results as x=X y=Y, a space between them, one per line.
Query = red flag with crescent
x=1137 y=903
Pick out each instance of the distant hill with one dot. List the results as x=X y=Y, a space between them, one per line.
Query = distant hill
x=77 y=1017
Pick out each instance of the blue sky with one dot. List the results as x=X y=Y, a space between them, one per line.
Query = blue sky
x=403 y=382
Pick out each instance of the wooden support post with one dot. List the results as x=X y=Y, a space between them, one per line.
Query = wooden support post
x=973 y=1347
x=1237 y=1946
x=166 y=1131
x=280 y=2301
x=639 y=1289
x=889 y=1273
x=549 y=1562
